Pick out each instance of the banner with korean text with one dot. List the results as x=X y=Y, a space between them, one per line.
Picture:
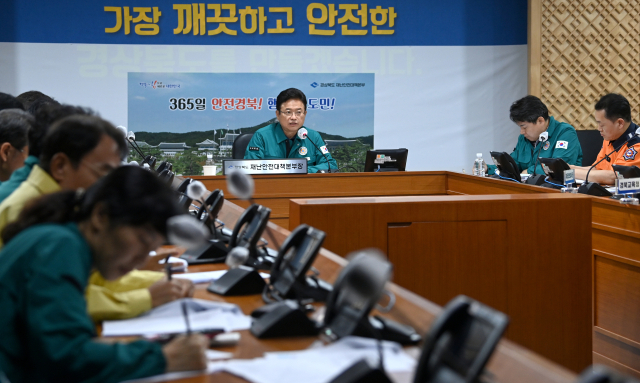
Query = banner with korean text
x=445 y=72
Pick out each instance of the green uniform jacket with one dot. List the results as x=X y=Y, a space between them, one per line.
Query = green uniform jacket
x=568 y=149
x=46 y=334
x=17 y=177
x=269 y=143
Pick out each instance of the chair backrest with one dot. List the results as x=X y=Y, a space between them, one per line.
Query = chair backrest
x=240 y=145
x=591 y=142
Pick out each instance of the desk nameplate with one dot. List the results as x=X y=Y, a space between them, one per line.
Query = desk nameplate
x=275 y=166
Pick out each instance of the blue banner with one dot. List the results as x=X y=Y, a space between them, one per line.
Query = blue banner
x=267 y=22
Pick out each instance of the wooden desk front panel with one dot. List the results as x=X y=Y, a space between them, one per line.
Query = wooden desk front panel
x=616 y=275
x=508 y=251
x=275 y=191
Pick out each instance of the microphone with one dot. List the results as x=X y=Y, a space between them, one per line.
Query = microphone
x=538 y=179
x=589 y=187
x=606 y=157
x=237 y=257
x=150 y=160
x=241 y=184
x=186 y=231
x=302 y=134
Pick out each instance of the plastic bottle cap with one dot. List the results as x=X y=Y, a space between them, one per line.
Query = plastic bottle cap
x=478 y=155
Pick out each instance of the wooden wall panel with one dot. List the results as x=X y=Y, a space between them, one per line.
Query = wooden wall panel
x=587 y=48
x=425 y=254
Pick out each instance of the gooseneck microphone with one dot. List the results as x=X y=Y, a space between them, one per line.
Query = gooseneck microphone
x=544 y=136
x=538 y=179
x=592 y=188
x=606 y=157
x=149 y=160
x=302 y=134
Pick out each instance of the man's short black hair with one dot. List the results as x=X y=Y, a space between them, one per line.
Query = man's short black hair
x=28 y=98
x=76 y=136
x=291 y=94
x=46 y=115
x=7 y=101
x=528 y=109
x=14 y=127
x=615 y=106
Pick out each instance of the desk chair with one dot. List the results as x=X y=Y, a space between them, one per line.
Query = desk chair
x=240 y=145
x=591 y=143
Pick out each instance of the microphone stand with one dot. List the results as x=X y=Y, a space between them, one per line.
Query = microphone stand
x=304 y=137
x=539 y=178
x=594 y=188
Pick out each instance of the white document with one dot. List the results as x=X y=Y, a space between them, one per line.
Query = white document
x=168 y=319
x=181 y=266
x=207 y=276
x=211 y=368
x=321 y=364
x=203 y=277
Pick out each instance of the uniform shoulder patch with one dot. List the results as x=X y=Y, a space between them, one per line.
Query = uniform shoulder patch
x=254 y=148
x=324 y=150
x=630 y=154
x=562 y=144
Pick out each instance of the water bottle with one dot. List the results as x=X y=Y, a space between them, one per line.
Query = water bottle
x=478 y=166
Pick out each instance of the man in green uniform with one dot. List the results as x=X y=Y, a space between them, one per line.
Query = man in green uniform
x=281 y=140
x=532 y=116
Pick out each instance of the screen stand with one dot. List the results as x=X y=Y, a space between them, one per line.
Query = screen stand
x=286 y=318
x=362 y=372
x=240 y=281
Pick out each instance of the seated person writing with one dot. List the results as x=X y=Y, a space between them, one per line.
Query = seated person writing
x=280 y=140
x=532 y=116
x=76 y=152
x=47 y=335
x=613 y=115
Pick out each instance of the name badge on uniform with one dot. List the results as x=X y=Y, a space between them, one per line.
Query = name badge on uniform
x=302 y=151
x=562 y=145
x=324 y=150
x=254 y=148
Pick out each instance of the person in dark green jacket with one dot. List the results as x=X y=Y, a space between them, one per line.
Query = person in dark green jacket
x=46 y=333
x=532 y=116
x=281 y=139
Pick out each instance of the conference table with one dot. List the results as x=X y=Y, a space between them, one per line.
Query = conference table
x=606 y=284
x=510 y=362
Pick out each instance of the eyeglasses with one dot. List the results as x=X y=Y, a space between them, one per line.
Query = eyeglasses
x=289 y=113
x=99 y=173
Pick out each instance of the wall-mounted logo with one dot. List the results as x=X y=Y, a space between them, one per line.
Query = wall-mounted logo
x=314 y=84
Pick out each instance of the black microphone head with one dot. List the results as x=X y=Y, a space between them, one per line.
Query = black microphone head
x=240 y=184
x=163 y=165
x=182 y=188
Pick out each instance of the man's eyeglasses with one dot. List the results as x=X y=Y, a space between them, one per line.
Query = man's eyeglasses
x=98 y=172
x=289 y=113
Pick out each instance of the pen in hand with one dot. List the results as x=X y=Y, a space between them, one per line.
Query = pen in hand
x=186 y=317
x=167 y=267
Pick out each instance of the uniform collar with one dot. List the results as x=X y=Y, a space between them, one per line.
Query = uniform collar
x=31 y=160
x=42 y=181
x=631 y=130
x=553 y=125
x=280 y=136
